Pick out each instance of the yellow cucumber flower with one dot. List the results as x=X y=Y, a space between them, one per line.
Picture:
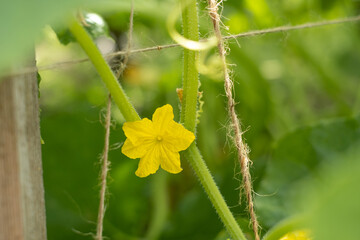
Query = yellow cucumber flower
x=297 y=235
x=157 y=142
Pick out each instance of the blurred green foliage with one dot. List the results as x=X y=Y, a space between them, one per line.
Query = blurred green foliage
x=301 y=156
x=21 y=23
x=298 y=97
x=333 y=201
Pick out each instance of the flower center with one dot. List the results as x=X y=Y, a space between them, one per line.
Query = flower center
x=159 y=138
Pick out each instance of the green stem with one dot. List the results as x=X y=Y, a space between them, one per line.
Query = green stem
x=194 y=157
x=105 y=72
x=190 y=73
x=188 y=118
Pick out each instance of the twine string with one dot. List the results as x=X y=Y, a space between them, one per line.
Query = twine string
x=104 y=173
x=105 y=162
x=241 y=147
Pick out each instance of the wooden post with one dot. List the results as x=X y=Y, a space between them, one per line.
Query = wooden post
x=22 y=208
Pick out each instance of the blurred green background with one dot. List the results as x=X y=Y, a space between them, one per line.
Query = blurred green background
x=298 y=96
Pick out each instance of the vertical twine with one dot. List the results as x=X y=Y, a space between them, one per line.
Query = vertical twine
x=105 y=163
x=239 y=143
x=104 y=171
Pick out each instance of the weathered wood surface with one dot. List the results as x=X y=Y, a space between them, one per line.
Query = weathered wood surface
x=22 y=208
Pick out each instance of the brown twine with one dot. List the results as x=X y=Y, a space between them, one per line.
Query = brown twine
x=105 y=163
x=104 y=172
x=239 y=143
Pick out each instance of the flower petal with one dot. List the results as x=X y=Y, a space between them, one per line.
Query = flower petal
x=177 y=138
x=149 y=163
x=133 y=151
x=162 y=117
x=170 y=161
x=139 y=131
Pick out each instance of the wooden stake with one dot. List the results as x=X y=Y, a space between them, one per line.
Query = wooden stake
x=22 y=208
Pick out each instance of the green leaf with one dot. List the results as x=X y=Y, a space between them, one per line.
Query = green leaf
x=21 y=22
x=296 y=157
x=64 y=35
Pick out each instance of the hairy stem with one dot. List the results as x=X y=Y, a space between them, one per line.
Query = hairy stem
x=188 y=118
x=242 y=151
x=190 y=73
x=104 y=71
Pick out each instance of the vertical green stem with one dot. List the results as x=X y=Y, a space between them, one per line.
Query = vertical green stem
x=104 y=71
x=190 y=73
x=188 y=118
